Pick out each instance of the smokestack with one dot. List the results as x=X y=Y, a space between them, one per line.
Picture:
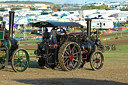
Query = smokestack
x=88 y=27
x=11 y=22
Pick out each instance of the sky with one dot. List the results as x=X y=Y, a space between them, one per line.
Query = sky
x=71 y=1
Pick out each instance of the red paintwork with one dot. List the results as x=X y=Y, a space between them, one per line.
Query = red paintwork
x=98 y=60
x=71 y=56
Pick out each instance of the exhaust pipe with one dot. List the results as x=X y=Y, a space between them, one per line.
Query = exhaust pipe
x=11 y=22
x=88 y=27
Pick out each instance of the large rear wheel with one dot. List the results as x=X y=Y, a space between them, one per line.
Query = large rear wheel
x=69 y=56
x=20 y=60
x=96 y=60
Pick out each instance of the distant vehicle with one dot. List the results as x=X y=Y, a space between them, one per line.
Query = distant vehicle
x=29 y=31
x=102 y=24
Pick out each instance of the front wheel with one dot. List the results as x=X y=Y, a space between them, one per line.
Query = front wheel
x=96 y=60
x=20 y=60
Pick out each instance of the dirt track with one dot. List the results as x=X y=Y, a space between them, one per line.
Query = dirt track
x=117 y=42
x=114 y=72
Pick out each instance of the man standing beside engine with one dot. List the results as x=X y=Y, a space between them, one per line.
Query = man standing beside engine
x=54 y=34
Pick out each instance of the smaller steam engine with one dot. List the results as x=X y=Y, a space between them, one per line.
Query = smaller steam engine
x=9 y=51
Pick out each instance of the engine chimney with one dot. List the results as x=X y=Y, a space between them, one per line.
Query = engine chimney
x=11 y=22
x=88 y=27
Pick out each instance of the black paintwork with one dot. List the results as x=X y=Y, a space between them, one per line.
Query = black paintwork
x=50 y=55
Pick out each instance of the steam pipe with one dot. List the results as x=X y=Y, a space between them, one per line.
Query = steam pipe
x=11 y=22
x=4 y=24
x=97 y=34
x=88 y=27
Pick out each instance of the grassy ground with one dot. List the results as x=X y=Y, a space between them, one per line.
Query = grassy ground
x=28 y=41
x=120 y=52
x=22 y=35
x=114 y=34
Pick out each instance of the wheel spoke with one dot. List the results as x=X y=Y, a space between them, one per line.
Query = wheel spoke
x=75 y=56
x=66 y=52
x=96 y=55
x=65 y=60
x=97 y=65
x=99 y=57
x=94 y=62
x=22 y=53
x=76 y=60
x=71 y=64
x=23 y=64
x=69 y=48
x=66 y=56
x=73 y=48
x=17 y=64
x=75 y=53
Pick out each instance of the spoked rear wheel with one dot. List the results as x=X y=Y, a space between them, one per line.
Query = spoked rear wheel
x=97 y=60
x=69 y=56
x=20 y=60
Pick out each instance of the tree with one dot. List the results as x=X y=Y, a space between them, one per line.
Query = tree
x=56 y=7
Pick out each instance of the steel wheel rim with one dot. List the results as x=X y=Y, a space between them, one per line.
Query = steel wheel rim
x=97 y=60
x=71 y=57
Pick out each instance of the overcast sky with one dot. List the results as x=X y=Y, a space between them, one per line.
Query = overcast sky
x=70 y=1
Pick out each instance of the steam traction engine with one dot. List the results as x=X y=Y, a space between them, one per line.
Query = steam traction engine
x=72 y=50
x=9 y=51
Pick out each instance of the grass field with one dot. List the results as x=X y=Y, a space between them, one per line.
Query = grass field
x=114 y=34
x=22 y=35
x=119 y=52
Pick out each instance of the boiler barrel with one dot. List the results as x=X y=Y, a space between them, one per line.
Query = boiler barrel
x=90 y=47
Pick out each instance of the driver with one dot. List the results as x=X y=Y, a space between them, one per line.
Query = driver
x=54 y=34
x=46 y=35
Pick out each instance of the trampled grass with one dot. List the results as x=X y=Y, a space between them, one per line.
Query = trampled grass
x=119 y=49
x=120 y=54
